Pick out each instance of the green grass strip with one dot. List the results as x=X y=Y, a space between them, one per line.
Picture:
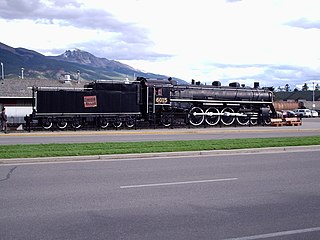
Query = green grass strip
x=85 y=149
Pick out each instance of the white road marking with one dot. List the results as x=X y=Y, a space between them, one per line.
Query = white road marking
x=178 y=183
x=276 y=234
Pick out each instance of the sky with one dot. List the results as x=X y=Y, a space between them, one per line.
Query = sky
x=274 y=42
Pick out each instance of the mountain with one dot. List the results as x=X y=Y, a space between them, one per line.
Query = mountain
x=90 y=67
x=85 y=58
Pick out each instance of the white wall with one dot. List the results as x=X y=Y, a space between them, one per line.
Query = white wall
x=16 y=114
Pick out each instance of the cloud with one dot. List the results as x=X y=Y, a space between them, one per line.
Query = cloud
x=124 y=40
x=11 y=9
x=64 y=13
x=121 y=51
x=305 y=23
x=111 y=49
x=267 y=74
x=227 y=40
x=231 y=1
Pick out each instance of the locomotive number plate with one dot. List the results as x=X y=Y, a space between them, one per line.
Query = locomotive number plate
x=161 y=100
x=90 y=101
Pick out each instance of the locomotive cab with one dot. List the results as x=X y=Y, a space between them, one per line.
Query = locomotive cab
x=155 y=99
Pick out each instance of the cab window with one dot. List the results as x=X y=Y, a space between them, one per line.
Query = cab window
x=159 y=91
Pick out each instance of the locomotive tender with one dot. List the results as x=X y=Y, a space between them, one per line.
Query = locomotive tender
x=159 y=102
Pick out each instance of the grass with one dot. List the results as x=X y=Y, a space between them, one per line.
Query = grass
x=85 y=149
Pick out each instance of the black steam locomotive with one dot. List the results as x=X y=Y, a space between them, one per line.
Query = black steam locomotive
x=155 y=102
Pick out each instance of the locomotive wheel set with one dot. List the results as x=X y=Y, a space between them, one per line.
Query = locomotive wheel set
x=145 y=102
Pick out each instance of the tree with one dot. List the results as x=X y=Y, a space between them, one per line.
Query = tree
x=317 y=88
x=287 y=88
x=305 y=87
x=272 y=89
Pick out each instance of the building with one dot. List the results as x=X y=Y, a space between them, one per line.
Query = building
x=297 y=99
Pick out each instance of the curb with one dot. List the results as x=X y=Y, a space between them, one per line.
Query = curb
x=133 y=156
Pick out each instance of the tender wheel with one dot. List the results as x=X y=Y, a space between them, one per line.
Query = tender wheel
x=46 y=123
x=226 y=118
x=76 y=123
x=212 y=119
x=196 y=116
x=117 y=123
x=103 y=123
x=62 y=124
x=130 y=122
x=242 y=120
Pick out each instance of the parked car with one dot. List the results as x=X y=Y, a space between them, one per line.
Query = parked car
x=288 y=114
x=303 y=112
x=314 y=113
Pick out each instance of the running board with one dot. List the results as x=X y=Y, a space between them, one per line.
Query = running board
x=227 y=114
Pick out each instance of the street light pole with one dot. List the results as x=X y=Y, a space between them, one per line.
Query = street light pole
x=2 y=71
x=78 y=73
x=313 y=105
x=22 y=69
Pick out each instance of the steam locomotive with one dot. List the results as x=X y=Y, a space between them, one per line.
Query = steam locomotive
x=102 y=104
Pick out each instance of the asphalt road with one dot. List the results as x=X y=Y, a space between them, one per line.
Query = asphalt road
x=310 y=127
x=234 y=197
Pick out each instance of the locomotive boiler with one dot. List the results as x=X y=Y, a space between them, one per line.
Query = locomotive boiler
x=155 y=102
x=218 y=104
